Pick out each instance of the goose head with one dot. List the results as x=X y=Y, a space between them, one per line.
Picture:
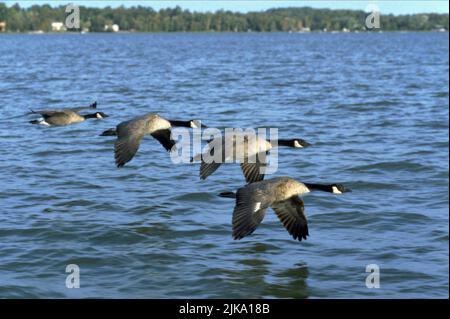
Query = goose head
x=196 y=124
x=339 y=189
x=295 y=143
x=190 y=123
x=96 y=115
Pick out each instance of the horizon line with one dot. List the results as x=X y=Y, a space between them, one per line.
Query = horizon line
x=238 y=6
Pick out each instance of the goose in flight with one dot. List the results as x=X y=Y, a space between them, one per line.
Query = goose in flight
x=130 y=133
x=251 y=151
x=282 y=195
x=64 y=117
x=190 y=123
x=73 y=109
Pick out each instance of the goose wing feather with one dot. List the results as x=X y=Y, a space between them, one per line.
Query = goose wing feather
x=48 y=113
x=251 y=206
x=291 y=213
x=129 y=136
x=209 y=164
x=252 y=171
x=80 y=108
x=163 y=137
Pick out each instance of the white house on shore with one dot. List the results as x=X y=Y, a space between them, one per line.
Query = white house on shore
x=58 y=26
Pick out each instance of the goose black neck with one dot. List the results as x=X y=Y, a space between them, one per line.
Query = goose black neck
x=282 y=142
x=180 y=123
x=320 y=187
x=90 y=116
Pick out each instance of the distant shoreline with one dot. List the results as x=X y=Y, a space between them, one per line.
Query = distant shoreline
x=13 y=18
x=217 y=32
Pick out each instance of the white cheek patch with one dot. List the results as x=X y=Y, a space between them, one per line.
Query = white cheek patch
x=297 y=144
x=99 y=116
x=194 y=125
x=336 y=190
x=257 y=206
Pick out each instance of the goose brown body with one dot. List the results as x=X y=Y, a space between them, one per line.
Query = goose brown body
x=64 y=117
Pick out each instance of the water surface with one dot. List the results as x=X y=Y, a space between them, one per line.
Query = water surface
x=375 y=106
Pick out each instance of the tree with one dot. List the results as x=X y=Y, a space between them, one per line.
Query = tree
x=145 y=19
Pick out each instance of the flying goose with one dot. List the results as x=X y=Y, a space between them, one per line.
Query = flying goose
x=130 y=133
x=190 y=123
x=282 y=195
x=245 y=148
x=74 y=109
x=64 y=117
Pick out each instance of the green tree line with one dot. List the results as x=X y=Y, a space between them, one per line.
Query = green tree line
x=146 y=19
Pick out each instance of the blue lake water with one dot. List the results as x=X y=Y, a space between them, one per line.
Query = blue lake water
x=375 y=106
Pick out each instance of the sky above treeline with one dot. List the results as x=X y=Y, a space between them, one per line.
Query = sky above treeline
x=385 y=7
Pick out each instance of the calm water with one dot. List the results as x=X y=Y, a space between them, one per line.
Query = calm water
x=375 y=106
